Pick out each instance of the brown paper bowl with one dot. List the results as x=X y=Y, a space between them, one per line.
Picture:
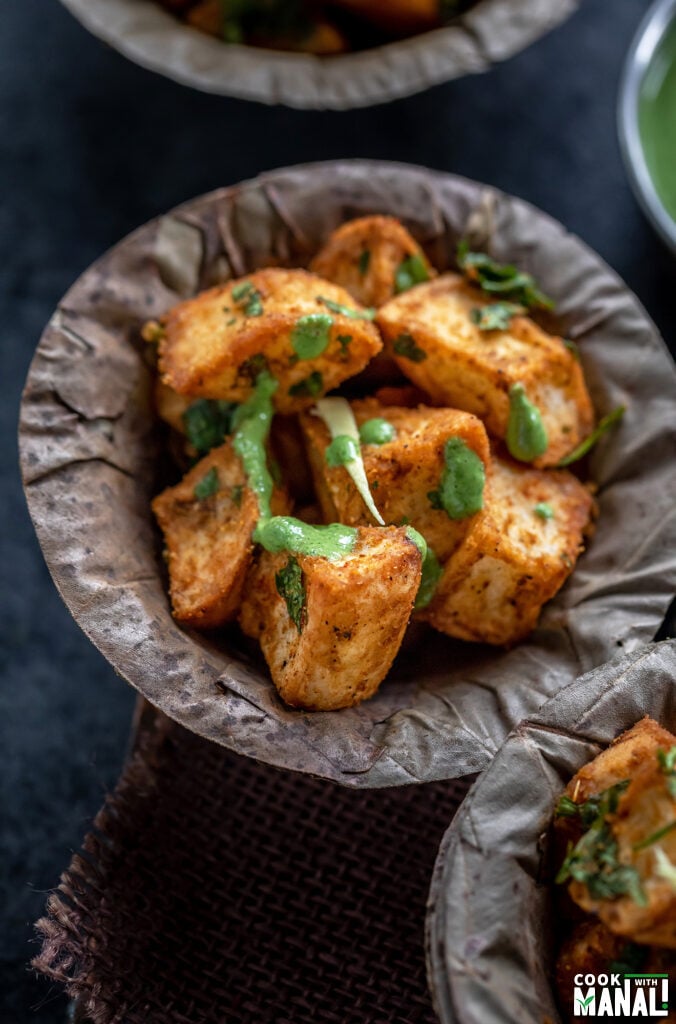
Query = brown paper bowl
x=90 y=447
x=491 y=31
x=489 y=925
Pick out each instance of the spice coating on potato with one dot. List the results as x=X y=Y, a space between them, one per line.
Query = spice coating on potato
x=512 y=561
x=363 y=257
x=208 y=541
x=215 y=344
x=402 y=473
x=355 y=615
x=430 y=333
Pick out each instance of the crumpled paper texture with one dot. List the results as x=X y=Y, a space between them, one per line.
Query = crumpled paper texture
x=490 y=31
x=90 y=446
x=489 y=925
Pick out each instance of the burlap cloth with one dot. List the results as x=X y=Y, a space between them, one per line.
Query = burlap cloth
x=214 y=889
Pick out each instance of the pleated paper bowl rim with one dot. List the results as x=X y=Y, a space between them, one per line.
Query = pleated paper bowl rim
x=489 y=932
x=148 y=35
x=90 y=443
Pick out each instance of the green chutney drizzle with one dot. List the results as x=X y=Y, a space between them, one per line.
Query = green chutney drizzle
x=526 y=435
x=311 y=335
x=376 y=431
x=341 y=450
x=461 y=487
x=284 y=533
x=431 y=569
x=251 y=424
x=657 y=119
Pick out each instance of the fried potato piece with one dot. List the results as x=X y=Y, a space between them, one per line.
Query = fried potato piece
x=620 y=761
x=401 y=473
x=215 y=344
x=208 y=541
x=592 y=949
x=512 y=560
x=645 y=823
x=397 y=16
x=430 y=333
x=354 y=618
x=170 y=406
x=363 y=257
x=321 y=38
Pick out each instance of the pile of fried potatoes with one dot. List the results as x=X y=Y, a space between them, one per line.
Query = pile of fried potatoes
x=465 y=371
x=615 y=832
x=320 y=27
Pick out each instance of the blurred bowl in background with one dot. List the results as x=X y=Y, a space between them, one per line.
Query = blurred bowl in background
x=489 y=31
x=647 y=117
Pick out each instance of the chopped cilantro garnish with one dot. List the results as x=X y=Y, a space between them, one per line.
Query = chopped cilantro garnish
x=252 y=367
x=495 y=317
x=248 y=298
x=311 y=386
x=501 y=278
x=364 y=261
x=667 y=762
x=208 y=421
x=572 y=348
x=208 y=485
x=406 y=346
x=413 y=270
x=544 y=510
x=655 y=836
x=344 y=340
x=604 y=426
x=593 y=861
x=290 y=587
x=353 y=314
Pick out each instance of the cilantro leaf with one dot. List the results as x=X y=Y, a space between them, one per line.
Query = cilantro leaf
x=310 y=386
x=291 y=587
x=604 y=426
x=406 y=346
x=501 y=278
x=497 y=316
x=412 y=270
x=207 y=422
x=353 y=314
x=208 y=485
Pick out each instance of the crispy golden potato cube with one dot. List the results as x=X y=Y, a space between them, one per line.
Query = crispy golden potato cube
x=644 y=827
x=364 y=255
x=402 y=473
x=215 y=345
x=397 y=16
x=208 y=539
x=514 y=558
x=321 y=38
x=355 y=612
x=170 y=406
x=430 y=333
x=620 y=761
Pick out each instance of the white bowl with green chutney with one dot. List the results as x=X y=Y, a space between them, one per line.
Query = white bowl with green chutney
x=647 y=117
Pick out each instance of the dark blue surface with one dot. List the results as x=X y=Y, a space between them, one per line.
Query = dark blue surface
x=91 y=146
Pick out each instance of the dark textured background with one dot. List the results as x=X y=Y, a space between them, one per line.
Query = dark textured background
x=90 y=147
